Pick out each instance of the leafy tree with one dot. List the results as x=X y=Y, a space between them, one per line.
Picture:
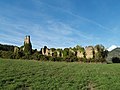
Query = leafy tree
x=7 y=54
x=71 y=59
x=55 y=54
x=52 y=49
x=80 y=48
x=7 y=47
x=28 y=49
x=60 y=52
x=101 y=53
x=35 y=56
x=65 y=52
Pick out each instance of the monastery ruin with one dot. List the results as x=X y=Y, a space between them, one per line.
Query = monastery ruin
x=87 y=52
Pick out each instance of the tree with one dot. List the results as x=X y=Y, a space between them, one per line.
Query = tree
x=100 y=54
x=80 y=48
x=28 y=48
x=65 y=52
x=7 y=47
x=55 y=54
x=7 y=54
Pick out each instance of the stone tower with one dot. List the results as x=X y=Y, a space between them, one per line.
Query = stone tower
x=27 y=45
x=27 y=40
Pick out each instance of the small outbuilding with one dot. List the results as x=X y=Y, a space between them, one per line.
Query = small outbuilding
x=113 y=56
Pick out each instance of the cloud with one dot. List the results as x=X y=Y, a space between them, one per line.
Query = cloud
x=43 y=28
x=62 y=9
x=53 y=33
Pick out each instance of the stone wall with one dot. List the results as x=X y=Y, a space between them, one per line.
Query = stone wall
x=16 y=49
x=80 y=54
x=27 y=40
x=89 y=52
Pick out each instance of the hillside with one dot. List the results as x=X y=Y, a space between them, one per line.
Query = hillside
x=6 y=47
x=114 y=56
x=36 y=75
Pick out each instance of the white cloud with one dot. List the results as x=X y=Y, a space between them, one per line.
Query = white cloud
x=70 y=12
x=52 y=34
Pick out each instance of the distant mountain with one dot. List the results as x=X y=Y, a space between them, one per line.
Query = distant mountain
x=114 y=56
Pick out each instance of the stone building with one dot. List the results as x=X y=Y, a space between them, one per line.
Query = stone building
x=16 y=49
x=51 y=52
x=27 y=39
x=80 y=54
x=45 y=51
x=89 y=52
x=95 y=50
x=27 y=45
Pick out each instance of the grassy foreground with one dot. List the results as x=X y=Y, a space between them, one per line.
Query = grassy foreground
x=36 y=75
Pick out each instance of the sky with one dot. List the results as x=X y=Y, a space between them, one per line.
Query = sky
x=60 y=23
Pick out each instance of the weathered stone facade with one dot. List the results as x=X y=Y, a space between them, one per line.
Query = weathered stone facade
x=45 y=51
x=27 y=45
x=16 y=49
x=80 y=54
x=89 y=52
x=95 y=50
x=50 y=52
x=27 y=40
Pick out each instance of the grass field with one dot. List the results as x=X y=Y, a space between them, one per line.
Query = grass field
x=36 y=75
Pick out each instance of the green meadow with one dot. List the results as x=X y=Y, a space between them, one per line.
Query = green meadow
x=38 y=75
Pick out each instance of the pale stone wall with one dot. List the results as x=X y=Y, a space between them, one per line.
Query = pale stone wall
x=89 y=52
x=47 y=52
x=27 y=40
x=80 y=54
x=42 y=51
x=16 y=49
x=61 y=54
x=51 y=53
x=58 y=53
x=95 y=50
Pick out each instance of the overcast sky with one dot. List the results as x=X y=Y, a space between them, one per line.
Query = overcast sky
x=60 y=23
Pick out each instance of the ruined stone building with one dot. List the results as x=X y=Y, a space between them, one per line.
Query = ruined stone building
x=27 y=40
x=46 y=51
x=27 y=45
x=80 y=54
x=89 y=52
x=50 y=52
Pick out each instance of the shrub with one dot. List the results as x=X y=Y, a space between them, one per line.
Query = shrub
x=116 y=60
x=7 y=54
x=71 y=59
